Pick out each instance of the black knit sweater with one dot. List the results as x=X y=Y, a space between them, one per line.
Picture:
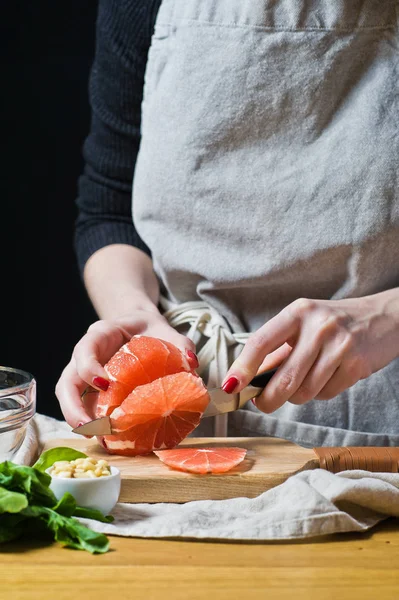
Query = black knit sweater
x=123 y=36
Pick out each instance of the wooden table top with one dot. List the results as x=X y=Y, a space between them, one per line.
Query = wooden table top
x=340 y=567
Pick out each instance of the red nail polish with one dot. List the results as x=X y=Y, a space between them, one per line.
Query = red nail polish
x=253 y=400
x=101 y=383
x=230 y=385
x=193 y=357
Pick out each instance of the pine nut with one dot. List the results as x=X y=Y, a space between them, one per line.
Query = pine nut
x=81 y=468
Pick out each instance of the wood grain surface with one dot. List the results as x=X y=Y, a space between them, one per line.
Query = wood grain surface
x=268 y=463
x=345 y=567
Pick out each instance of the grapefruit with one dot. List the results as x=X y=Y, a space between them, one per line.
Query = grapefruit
x=154 y=399
x=142 y=360
x=202 y=460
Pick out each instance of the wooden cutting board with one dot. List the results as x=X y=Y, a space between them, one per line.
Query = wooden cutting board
x=268 y=463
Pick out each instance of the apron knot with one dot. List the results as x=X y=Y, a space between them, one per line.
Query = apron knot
x=210 y=333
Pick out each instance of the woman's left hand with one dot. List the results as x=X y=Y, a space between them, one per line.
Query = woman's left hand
x=327 y=346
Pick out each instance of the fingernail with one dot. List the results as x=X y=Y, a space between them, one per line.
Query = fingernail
x=101 y=383
x=193 y=357
x=230 y=385
x=253 y=400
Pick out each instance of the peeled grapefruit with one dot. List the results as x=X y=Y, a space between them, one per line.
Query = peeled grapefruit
x=154 y=399
x=202 y=460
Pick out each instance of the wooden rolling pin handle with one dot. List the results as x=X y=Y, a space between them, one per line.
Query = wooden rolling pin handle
x=375 y=459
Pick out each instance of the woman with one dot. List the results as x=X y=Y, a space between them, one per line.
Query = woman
x=264 y=146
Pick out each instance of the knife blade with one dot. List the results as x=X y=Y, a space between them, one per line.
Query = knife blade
x=220 y=403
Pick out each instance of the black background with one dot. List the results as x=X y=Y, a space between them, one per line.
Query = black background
x=46 y=53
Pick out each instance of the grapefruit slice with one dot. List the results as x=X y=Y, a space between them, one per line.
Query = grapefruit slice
x=157 y=415
x=142 y=360
x=202 y=460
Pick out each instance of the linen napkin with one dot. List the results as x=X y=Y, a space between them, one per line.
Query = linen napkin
x=308 y=504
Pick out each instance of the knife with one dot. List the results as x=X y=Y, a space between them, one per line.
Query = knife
x=220 y=403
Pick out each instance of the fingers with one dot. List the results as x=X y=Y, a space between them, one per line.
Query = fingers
x=274 y=359
x=68 y=390
x=348 y=373
x=321 y=345
x=318 y=376
x=290 y=376
x=298 y=383
x=95 y=348
x=320 y=366
x=266 y=340
x=102 y=340
x=85 y=369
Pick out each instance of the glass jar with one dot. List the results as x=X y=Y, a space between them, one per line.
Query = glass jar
x=17 y=407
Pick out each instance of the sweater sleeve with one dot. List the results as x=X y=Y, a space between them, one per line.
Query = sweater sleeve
x=123 y=36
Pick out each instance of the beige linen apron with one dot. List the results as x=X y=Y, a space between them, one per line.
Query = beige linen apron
x=268 y=171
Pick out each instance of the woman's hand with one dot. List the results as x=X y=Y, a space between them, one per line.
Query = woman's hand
x=96 y=347
x=326 y=347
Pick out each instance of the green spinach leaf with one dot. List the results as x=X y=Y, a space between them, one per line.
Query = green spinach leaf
x=11 y=502
x=66 y=506
x=49 y=457
x=28 y=508
x=68 y=531
x=91 y=513
x=12 y=526
x=29 y=481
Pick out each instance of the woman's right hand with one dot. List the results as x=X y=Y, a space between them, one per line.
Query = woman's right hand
x=96 y=347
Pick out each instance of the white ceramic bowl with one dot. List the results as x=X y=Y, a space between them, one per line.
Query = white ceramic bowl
x=101 y=493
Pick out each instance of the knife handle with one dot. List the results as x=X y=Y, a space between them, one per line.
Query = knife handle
x=260 y=381
x=378 y=460
x=255 y=387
